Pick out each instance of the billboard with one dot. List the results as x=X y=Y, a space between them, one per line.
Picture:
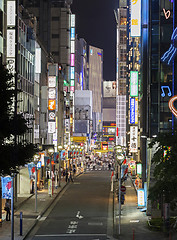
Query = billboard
x=132 y=110
x=133 y=83
x=109 y=89
x=141 y=197
x=135 y=18
x=134 y=139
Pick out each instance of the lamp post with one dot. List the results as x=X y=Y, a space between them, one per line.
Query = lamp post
x=36 y=159
x=59 y=149
x=50 y=152
x=120 y=158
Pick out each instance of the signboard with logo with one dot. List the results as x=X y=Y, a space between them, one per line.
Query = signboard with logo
x=141 y=198
x=6 y=183
x=133 y=83
x=135 y=18
x=133 y=138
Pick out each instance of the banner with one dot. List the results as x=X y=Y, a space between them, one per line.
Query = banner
x=6 y=183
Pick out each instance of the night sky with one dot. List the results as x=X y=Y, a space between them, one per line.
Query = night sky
x=95 y=22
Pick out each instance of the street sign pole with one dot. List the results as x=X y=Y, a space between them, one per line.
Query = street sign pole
x=12 y=207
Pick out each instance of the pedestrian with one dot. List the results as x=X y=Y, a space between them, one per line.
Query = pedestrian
x=7 y=209
x=70 y=177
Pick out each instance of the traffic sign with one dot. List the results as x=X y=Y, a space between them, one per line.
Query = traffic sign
x=123 y=188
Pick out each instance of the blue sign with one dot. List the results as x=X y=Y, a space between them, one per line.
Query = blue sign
x=39 y=165
x=6 y=183
x=163 y=91
x=132 y=110
x=72 y=73
x=72 y=33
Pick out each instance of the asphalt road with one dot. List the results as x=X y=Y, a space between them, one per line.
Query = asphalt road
x=80 y=213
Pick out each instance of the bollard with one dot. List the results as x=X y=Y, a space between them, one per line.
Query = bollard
x=21 y=223
x=133 y=234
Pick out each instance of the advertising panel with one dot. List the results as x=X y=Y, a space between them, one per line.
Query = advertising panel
x=51 y=127
x=133 y=83
x=133 y=139
x=135 y=18
x=72 y=74
x=136 y=110
x=6 y=183
x=72 y=20
x=141 y=199
x=51 y=104
x=52 y=93
x=132 y=110
x=109 y=89
x=11 y=43
x=38 y=60
x=52 y=116
x=11 y=13
x=52 y=82
x=72 y=33
x=72 y=59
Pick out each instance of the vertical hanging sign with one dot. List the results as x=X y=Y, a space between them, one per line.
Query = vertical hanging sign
x=135 y=18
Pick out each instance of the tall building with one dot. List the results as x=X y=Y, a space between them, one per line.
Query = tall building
x=95 y=76
x=121 y=73
x=55 y=32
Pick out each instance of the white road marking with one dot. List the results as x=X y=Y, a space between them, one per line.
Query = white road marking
x=72 y=235
x=42 y=219
x=95 y=224
x=134 y=221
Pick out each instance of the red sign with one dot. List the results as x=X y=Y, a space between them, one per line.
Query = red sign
x=123 y=188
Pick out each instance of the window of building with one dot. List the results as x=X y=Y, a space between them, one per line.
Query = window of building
x=55 y=35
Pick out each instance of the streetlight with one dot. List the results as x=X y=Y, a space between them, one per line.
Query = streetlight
x=59 y=149
x=50 y=185
x=36 y=159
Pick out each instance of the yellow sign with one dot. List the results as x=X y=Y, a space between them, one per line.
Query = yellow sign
x=79 y=139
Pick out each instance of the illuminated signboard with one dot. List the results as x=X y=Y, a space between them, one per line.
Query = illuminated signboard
x=133 y=138
x=72 y=46
x=51 y=104
x=171 y=105
x=52 y=82
x=72 y=33
x=51 y=115
x=11 y=13
x=72 y=59
x=11 y=43
x=132 y=110
x=72 y=83
x=52 y=93
x=72 y=20
x=139 y=168
x=72 y=73
x=141 y=198
x=135 y=18
x=136 y=110
x=51 y=127
x=134 y=83
x=38 y=60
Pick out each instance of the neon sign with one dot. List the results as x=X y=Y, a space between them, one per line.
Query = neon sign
x=163 y=92
x=166 y=13
x=171 y=53
x=171 y=105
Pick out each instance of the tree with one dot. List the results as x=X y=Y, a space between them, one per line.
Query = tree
x=165 y=161
x=14 y=150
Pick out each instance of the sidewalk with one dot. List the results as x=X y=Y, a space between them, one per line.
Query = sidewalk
x=26 y=205
x=133 y=221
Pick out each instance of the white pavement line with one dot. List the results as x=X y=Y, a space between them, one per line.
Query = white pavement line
x=42 y=219
x=38 y=217
x=134 y=221
x=72 y=235
x=95 y=224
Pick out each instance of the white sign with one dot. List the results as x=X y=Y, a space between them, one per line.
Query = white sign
x=38 y=60
x=134 y=83
x=52 y=82
x=51 y=127
x=11 y=13
x=109 y=89
x=133 y=139
x=67 y=125
x=141 y=200
x=135 y=18
x=52 y=93
x=72 y=20
x=11 y=43
x=72 y=46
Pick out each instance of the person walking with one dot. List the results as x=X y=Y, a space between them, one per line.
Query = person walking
x=7 y=209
